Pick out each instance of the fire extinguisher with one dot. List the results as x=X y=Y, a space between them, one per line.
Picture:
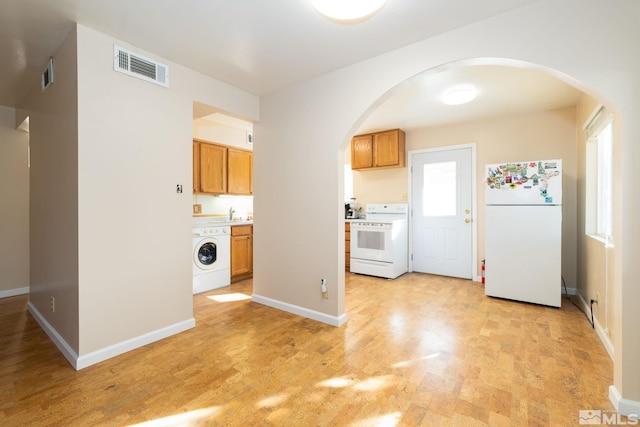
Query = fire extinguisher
x=483 y=271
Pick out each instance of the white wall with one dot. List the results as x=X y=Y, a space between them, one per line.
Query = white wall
x=135 y=230
x=304 y=158
x=221 y=134
x=14 y=207
x=110 y=236
x=53 y=224
x=544 y=135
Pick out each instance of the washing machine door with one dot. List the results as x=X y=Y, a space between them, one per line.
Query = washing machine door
x=205 y=254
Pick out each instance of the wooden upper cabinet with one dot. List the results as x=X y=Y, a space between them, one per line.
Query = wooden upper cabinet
x=362 y=152
x=388 y=149
x=219 y=169
x=196 y=167
x=213 y=169
x=239 y=171
x=378 y=150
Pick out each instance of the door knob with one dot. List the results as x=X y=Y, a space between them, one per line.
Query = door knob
x=467 y=220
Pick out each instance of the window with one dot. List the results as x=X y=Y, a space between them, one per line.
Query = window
x=348 y=183
x=439 y=189
x=599 y=207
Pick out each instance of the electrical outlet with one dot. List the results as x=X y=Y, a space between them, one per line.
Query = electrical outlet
x=197 y=208
x=52 y=304
x=324 y=289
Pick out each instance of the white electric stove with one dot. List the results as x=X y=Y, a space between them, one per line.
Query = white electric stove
x=379 y=242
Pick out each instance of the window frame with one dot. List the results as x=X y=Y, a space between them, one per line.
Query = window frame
x=599 y=205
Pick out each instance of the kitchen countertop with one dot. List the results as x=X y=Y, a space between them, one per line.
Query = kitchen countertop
x=218 y=220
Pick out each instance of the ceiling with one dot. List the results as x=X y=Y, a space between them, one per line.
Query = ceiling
x=264 y=46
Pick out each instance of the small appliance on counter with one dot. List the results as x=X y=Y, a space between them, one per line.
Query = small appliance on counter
x=351 y=209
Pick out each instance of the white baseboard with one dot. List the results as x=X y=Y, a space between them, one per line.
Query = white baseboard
x=80 y=362
x=602 y=333
x=301 y=311
x=57 y=339
x=623 y=406
x=13 y=292
x=133 y=343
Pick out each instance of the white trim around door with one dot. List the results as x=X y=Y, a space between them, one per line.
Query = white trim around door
x=474 y=209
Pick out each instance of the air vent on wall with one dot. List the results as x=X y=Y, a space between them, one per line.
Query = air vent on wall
x=138 y=66
x=47 y=75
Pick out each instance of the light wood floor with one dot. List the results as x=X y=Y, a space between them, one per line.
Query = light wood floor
x=420 y=350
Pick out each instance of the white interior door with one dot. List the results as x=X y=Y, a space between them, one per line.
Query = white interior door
x=441 y=208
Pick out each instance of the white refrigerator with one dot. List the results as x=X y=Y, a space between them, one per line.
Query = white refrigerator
x=523 y=231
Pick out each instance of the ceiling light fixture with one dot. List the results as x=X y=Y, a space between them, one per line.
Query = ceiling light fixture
x=458 y=95
x=348 y=11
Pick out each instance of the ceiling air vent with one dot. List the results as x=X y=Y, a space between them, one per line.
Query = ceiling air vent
x=138 y=66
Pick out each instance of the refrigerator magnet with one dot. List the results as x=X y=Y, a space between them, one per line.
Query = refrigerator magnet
x=548 y=199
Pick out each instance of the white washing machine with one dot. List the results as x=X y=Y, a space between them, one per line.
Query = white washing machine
x=211 y=257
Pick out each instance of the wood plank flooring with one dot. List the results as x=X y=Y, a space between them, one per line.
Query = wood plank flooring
x=420 y=350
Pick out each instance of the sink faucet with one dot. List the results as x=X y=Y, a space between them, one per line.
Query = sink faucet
x=231 y=212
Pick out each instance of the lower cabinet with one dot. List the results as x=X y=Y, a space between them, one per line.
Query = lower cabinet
x=347 y=245
x=241 y=252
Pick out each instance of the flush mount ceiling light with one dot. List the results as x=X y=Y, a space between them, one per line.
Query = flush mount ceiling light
x=459 y=95
x=348 y=11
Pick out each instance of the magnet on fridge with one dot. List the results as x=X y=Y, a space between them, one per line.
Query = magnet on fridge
x=533 y=164
x=512 y=185
x=498 y=186
x=548 y=199
x=540 y=168
x=536 y=179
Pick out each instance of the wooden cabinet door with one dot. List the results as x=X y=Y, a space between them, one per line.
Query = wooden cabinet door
x=196 y=167
x=388 y=148
x=213 y=169
x=362 y=152
x=241 y=250
x=239 y=171
x=347 y=246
